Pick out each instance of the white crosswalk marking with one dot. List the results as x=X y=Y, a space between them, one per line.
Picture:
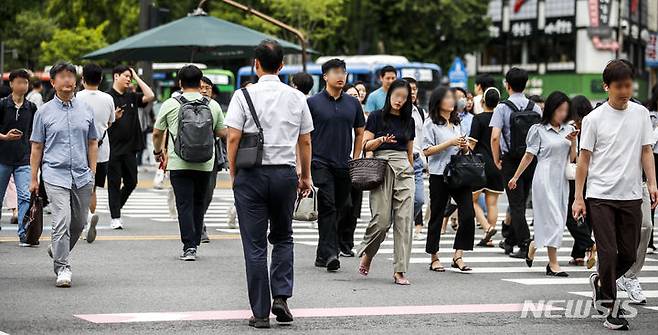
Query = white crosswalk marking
x=152 y=205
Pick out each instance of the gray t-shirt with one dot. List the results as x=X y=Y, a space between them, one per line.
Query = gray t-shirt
x=434 y=134
x=283 y=114
x=501 y=117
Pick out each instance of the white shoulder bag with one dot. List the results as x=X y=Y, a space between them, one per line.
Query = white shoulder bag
x=306 y=208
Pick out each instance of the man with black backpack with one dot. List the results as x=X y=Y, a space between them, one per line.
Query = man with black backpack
x=511 y=121
x=192 y=122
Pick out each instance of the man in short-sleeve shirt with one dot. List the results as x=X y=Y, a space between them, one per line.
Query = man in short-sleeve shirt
x=64 y=145
x=266 y=193
x=518 y=233
x=615 y=147
x=190 y=180
x=377 y=98
x=125 y=139
x=335 y=116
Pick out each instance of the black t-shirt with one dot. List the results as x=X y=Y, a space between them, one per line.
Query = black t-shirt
x=126 y=133
x=375 y=125
x=16 y=153
x=334 y=121
x=481 y=132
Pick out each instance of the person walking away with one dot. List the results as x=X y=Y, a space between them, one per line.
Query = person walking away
x=64 y=147
x=612 y=159
x=482 y=83
x=390 y=134
x=480 y=142
x=266 y=191
x=553 y=142
x=511 y=122
x=105 y=114
x=16 y=117
x=193 y=122
x=126 y=139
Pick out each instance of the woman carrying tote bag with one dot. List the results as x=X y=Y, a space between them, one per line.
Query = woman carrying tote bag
x=389 y=134
x=442 y=139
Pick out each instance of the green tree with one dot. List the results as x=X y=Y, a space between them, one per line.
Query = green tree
x=72 y=44
x=123 y=15
x=30 y=29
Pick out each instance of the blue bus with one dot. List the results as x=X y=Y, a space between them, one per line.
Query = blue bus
x=428 y=75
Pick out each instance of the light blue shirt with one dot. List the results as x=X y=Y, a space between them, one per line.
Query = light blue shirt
x=501 y=117
x=376 y=100
x=65 y=129
x=434 y=134
x=466 y=119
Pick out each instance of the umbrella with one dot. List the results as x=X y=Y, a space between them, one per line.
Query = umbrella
x=198 y=38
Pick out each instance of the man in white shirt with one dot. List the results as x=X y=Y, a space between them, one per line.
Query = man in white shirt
x=482 y=82
x=266 y=191
x=615 y=147
x=102 y=105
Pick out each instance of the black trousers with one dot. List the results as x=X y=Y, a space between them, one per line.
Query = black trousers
x=616 y=225
x=439 y=195
x=519 y=234
x=191 y=190
x=121 y=181
x=582 y=235
x=334 y=188
x=348 y=219
x=266 y=194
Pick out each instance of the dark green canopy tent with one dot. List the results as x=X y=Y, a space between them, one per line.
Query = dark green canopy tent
x=198 y=38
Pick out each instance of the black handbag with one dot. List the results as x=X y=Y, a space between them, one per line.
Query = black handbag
x=367 y=173
x=465 y=171
x=250 y=149
x=33 y=220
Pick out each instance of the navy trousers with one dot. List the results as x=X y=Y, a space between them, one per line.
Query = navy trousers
x=266 y=194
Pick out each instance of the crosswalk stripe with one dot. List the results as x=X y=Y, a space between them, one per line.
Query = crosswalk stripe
x=501 y=259
x=569 y=281
x=621 y=294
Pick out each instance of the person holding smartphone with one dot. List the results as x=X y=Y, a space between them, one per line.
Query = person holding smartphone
x=16 y=114
x=553 y=142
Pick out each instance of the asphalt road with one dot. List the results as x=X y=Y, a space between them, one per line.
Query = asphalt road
x=136 y=271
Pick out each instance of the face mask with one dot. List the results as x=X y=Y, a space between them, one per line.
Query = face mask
x=461 y=104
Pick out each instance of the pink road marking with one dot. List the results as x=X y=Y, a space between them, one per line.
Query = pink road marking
x=312 y=312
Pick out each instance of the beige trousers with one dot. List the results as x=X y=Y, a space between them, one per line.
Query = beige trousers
x=392 y=204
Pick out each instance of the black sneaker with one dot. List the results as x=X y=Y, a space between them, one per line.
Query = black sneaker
x=259 y=323
x=596 y=293
x=320 y=263
x=615 y=323
x=188 y=255
x=280 y=309
x=333 y=265
x=508 y=248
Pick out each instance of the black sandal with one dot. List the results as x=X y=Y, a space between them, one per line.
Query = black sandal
x=438 y=268
x=462 y=269
x=489 y=234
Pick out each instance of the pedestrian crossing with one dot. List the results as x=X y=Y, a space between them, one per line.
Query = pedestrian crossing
x=152 y=205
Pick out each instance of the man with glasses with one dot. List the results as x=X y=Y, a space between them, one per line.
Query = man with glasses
x=337 y=116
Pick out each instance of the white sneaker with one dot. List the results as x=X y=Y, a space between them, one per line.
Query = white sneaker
x=634 y=291
x=418 y=236
x=116 y=224
x=232 y=216
x=64 y=278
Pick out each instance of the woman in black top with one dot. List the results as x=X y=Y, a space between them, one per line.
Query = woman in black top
x=390 y=135
x=480 y=141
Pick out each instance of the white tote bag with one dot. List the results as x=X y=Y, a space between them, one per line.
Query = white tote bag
x=306 y=208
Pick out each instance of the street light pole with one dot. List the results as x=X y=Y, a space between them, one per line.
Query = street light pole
x=247 y=9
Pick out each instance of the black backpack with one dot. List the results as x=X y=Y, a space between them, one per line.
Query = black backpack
x=195 y=140
x=520 y=123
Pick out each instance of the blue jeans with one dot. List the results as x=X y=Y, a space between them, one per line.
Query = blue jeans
x=22 y=175
x=419 y=195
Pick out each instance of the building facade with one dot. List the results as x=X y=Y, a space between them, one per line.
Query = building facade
x=565 y=44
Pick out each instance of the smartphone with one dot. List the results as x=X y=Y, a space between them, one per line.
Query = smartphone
x=16 y=131
x=123 y=106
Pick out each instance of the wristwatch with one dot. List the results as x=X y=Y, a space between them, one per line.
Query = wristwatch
x=157 y=153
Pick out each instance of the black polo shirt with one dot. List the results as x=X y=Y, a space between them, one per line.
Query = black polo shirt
x=334 y=121
x=16 y=153
x=126 y=133
x=393 y=125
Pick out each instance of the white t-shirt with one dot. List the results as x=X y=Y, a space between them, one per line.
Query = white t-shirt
x=615 y=138
x=103 y=106
x=418 y=121
x=477 y=104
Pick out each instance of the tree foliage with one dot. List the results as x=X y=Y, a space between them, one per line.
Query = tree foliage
x=72 y=44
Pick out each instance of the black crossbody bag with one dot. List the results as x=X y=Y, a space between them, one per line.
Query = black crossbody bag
x=250 y=149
